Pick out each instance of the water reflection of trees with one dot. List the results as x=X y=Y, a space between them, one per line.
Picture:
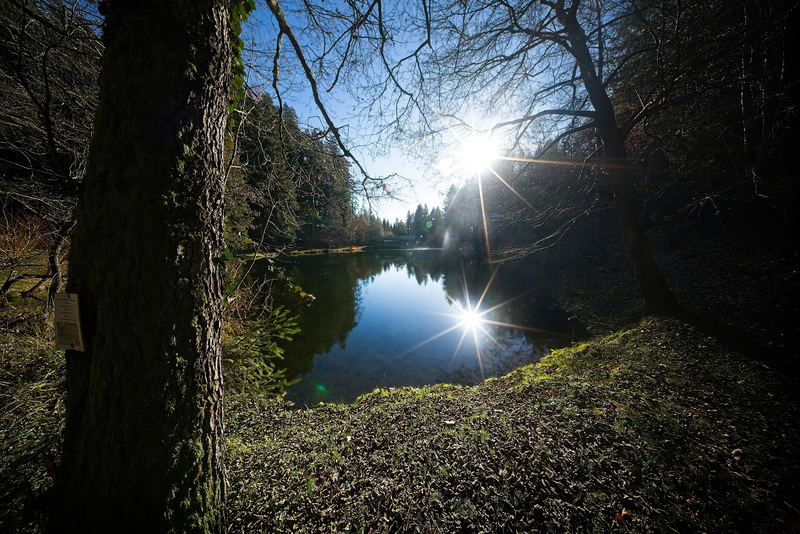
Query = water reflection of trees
x=517 y=294
x=336 y=281
x=510 y=350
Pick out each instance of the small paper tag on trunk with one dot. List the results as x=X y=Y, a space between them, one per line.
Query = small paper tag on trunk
x=68 y=322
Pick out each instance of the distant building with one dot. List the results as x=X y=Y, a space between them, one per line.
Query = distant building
x=393 y=241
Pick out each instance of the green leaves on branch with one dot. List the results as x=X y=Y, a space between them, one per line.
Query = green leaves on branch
x=225 y=257
x=249 y=360
x=240 y=10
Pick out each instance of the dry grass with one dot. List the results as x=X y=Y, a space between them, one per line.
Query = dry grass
x=31 y=412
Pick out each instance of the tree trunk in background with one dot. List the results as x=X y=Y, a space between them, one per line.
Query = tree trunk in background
x=54 y=262
x=658 y=297
x=656 y=292
x=143 y=444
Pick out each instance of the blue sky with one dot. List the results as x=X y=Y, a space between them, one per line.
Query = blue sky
x=420 y=183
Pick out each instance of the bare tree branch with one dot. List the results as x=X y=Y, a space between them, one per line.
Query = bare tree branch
x=287 y=30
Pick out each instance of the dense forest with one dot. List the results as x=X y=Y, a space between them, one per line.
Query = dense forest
x=290 y=188
x=139 y=170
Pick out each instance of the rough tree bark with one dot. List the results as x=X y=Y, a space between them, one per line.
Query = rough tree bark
x=143 y=443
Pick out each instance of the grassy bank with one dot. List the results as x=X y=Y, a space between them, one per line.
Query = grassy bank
x=306 y=252
x=31 y=411
x=658 y=428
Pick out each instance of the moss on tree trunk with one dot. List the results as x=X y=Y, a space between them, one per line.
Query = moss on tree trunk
x=143 y=445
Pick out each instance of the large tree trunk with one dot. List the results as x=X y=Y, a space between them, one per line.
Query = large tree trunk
x=655 y=290
x=143 y=444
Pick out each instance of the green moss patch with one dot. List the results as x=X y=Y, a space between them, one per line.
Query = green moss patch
x=651 y=429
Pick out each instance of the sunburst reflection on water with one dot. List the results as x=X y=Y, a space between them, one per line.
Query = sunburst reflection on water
x=409 y=320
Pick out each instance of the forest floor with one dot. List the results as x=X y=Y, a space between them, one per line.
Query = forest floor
x=662 y=424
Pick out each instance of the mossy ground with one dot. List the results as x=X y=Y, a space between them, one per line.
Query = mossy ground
x=657 y=428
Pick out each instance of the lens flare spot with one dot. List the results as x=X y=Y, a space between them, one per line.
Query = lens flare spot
x=477 y=153
x=469 y=156
x=471 y=319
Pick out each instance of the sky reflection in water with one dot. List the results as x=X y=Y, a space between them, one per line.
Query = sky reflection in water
x=385 y=320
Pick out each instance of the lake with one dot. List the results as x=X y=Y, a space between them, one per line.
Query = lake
x=411 y=318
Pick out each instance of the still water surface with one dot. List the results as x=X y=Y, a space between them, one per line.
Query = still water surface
x=398 y=318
